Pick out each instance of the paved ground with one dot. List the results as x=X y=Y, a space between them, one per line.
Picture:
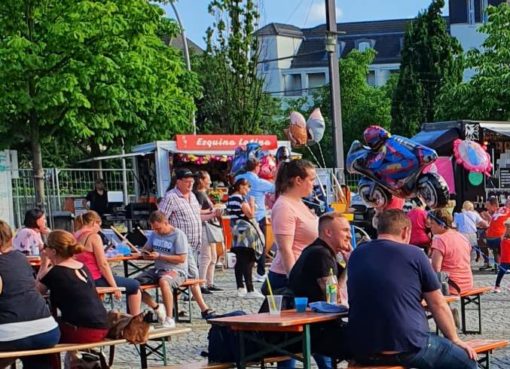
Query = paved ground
x=187 y=348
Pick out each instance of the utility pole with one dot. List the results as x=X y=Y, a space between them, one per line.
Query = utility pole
x=186 y=55
x=334 y=81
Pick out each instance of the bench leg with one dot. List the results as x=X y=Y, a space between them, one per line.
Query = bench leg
x=485 y=361
x=143 y=357
x=242 y=364
x=464 y=301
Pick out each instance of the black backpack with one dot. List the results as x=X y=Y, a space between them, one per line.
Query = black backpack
x=224 y=342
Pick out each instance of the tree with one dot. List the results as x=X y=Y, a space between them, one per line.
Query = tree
x=233 y=98
x=362 y=105
x=88 y=73
x=486 y=95
x=431 y=58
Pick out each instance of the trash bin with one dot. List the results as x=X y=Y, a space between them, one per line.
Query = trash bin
x=63 y=220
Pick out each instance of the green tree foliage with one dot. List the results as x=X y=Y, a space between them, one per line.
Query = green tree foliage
x=486 y=95
x=431 y=58
x=362 y=105
x=88 y=74
x=233 y=99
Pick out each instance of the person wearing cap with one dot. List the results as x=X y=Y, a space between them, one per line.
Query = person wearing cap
x=181 y=207
x=451 y=252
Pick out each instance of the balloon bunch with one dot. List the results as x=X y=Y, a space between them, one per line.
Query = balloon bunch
x=301 y=132
x=203 y=159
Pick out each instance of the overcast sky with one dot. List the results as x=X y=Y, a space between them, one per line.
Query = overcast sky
x=301 y=13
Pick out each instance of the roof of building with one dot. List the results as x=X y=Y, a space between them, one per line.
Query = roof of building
x=280 y=29
x=177 y=43
x=386 y=37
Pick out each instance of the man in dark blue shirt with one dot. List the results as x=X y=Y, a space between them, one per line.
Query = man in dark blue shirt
x=387 y=280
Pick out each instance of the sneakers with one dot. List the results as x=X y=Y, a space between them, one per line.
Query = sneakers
x=259 y=278
x=241 y=292
x=212 y=287
x=205 y=291
x=169 y=323
x=254 y=295
x=208 y=313
x=496 y=290
x=161 y=313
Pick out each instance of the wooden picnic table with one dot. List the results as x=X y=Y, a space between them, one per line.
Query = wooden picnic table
x=287 y=321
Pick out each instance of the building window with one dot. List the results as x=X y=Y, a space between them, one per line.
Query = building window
x=293 y=85
x=371 y=78
x=483 y=10
x=316 y=80
x=340 y=48
x=362 y=46
x=471 y=11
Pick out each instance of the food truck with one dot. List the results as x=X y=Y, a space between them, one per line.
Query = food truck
x=464 y=185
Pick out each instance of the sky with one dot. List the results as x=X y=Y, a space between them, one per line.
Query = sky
x=300 y=13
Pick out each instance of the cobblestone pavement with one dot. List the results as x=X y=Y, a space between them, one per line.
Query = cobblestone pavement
x=188 y=347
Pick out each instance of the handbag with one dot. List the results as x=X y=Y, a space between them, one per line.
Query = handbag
x=85 y=359
x=214 y=232
x=134 y=329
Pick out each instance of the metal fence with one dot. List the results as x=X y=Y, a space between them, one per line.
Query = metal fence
x=63 y=184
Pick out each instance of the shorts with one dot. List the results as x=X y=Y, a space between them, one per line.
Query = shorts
x=493 y=243
x=153 y=275
x=472 y=238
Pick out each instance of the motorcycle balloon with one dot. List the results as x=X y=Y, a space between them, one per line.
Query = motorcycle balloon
x=433 y=189
x=372 y=194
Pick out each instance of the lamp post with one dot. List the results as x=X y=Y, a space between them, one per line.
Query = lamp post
x=186 y=54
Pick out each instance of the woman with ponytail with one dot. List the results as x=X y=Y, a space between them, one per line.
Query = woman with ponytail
x=93 y=257
x=72 y=291
x=294 y=225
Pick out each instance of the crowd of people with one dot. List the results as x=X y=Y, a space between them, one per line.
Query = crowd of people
x=382 y=281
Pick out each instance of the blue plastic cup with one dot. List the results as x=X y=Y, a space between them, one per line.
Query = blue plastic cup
x=300 y=303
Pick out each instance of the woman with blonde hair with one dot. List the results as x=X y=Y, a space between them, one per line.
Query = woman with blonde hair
x=25 y=321
x=467 y=223
x=93 y=257
x=72 y=291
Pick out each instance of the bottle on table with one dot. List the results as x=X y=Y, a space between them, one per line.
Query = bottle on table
x=331 y=288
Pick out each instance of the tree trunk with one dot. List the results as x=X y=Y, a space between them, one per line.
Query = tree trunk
x=37 y=163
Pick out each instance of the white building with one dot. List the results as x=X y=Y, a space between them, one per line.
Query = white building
x=294 y=61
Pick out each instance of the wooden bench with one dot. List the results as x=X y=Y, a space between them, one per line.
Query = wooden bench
x=482 y=347
x=161 y=334
x=204 y=364
x=185 y=289
x=468 y=297
x=109 y=291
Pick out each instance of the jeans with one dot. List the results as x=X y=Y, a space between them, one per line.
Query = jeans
x=438 y=353
x=503 y=267
x=245 y=259
x=38 y=341
x=277 y=280
x=131 y=285
x=261 y=262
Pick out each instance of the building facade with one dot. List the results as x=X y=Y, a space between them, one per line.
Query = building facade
x=294 y=61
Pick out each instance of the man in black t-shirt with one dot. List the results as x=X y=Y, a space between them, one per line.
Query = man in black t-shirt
x=387 y=280
x=308 y=278
x=97 y=199
x=309 y=275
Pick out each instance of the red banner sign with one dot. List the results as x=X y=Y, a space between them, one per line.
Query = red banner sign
x=223 y=142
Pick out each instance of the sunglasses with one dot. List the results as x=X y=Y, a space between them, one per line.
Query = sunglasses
x=438 y=220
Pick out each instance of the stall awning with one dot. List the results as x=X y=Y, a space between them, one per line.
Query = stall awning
x=439 y=140
x=119 y=156
x=501 y=128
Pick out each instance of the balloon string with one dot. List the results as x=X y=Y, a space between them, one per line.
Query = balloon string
x=322 y=155
x=314 y=157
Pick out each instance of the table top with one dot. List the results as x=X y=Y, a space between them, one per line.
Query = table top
x=288 y=320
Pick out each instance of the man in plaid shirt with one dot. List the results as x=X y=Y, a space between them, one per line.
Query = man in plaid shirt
x=181 y=207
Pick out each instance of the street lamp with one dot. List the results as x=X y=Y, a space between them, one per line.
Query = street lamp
x=186 y=55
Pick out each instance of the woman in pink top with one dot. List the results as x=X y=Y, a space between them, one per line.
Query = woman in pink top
x=294 y=225
x=451 y=251
x=93 y=257
x=419 y=234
